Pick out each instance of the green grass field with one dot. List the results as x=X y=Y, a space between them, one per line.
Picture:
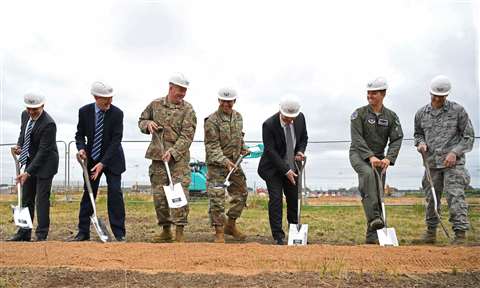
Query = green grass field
x=343 y=225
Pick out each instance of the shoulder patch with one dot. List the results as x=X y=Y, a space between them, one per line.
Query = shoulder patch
x=354 y=115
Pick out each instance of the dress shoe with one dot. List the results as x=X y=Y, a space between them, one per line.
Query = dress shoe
x=376 y=224
x=279 y=241
x=41 y=238
x=22 y=235
x=81 y=237
x=121 y=239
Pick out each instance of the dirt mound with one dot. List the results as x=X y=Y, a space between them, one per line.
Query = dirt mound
x=239 y=259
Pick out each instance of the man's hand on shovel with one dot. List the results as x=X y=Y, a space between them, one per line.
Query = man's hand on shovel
x=230 y=165
x=17 y=149
x=422 y=148
x=152 y=127
x=300 y=156
x=22 y=178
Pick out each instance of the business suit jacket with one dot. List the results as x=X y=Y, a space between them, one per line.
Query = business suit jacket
x=43 y=152
x=111 y=154
x=275 y=147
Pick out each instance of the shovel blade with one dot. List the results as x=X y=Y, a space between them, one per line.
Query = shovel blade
x=387 y=237
x=297 y=234
x=21 y=217
x=101 y=228
x=175 y=196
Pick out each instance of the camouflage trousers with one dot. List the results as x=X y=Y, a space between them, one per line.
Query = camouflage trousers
x=158 y=178
x=216 y=194
x=367 y=185
x=452 y=181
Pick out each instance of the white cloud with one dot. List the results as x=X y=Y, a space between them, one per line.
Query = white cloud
x=323 y=51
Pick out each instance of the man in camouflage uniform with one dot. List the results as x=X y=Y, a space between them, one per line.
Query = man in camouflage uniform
x=172 y=122
x=372 y=127
x=223 y=146
x=444 y=132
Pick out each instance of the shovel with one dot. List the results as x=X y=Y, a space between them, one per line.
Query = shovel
x=98 y=223
x=386 y=236
x=297 y=233
x=227 y=183
x=21 y=215
x=174 y=192
x=434 y=194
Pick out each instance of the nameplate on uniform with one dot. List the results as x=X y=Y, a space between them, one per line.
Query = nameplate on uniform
x=383 y=122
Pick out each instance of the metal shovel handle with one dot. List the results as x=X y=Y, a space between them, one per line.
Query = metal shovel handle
x=168 y=173
x=17 y=172
x=240 y=158
x=86 y=178
x=300 y=169
x=433 y=192
x=430 y=181
x=381 y=191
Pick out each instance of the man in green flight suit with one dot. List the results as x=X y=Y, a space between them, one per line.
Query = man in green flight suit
x=371 y=128
x=223 y=146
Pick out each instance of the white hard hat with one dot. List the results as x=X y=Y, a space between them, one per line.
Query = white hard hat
x=440 y=86
x=180 y=80
x=379 y=83
x=290 y=106
x=33 y=99
x=227 y=94
x=101 y=89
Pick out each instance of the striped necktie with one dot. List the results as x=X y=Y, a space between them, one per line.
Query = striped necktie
x=290 y=149
x=26 y=143
x=97 y=142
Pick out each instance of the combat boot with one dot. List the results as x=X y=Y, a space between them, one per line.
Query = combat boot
x=219 y=234
x=231 y=229
x=179 y=234
x=165 y=236
x=428 y=237
x=459 y=237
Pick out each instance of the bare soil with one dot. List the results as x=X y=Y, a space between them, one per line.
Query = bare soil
x=92 y=264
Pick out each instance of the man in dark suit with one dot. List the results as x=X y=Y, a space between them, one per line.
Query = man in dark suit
x=285 y=139
x=101 y=124
x=38 y=152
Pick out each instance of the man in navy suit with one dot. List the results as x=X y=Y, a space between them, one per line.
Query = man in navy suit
x=101 y=125
x=285 y=139
x=38 y=152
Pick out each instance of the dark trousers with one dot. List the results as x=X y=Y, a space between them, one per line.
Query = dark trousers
x=115 y=204
x=36 y=193
x=277 y=186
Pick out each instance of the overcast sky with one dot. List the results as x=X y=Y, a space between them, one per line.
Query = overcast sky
x=323 y=51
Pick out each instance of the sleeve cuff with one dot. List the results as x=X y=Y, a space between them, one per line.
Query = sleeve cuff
x=174 y=154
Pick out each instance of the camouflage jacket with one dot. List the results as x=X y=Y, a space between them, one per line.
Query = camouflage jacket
x=371 y=133
x=444 y=130
x=177 y=127
x=223 y=137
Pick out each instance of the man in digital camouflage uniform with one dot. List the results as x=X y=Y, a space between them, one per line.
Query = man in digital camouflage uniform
x=223 y=146
x=445 y=133
x=172 y=122
x=372 y=127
